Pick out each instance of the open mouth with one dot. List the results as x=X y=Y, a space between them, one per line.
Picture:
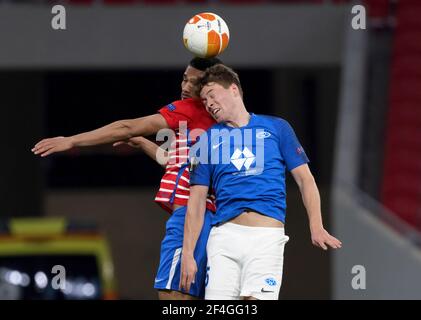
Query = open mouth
x=185 y=95
x=215 y=111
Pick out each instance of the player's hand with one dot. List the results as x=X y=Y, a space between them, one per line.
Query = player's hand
x=52 y=145
x=188 y=272
x=135 y=142
x=322 y=239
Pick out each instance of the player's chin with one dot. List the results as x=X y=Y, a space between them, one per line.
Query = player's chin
x=218 y=119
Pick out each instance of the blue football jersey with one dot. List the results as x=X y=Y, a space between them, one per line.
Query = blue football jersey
x=246 y=166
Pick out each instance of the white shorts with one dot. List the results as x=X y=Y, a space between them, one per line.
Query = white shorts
x=244 y=262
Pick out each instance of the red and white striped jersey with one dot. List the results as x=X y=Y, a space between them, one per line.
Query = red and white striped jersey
x=175 y=184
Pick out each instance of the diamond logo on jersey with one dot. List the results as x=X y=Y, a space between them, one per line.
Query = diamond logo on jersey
x=242 y=158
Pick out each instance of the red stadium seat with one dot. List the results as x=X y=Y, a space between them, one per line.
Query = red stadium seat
x=409 y=115
x=242 y=1
x=404 y=63
x=378 y=8
x=408 y=42
x=120 y=2
x=403 y=89
x=81 y=2
x=404 y=163
x=401 y=187
x=406 y=208
x=159 y=2
x=408 y=17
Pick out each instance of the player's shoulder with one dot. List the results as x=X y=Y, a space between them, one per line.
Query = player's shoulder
x=270 y=120
x=187 y=103
x=191 y=107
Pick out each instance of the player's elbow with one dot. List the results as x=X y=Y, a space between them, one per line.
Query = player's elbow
x=144 y=126
x=123 y=130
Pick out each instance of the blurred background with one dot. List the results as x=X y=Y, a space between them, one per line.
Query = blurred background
x=353 y=97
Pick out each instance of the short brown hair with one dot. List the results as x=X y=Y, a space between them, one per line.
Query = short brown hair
x=219 y=74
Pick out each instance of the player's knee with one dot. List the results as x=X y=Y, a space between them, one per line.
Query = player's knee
x=249 y=298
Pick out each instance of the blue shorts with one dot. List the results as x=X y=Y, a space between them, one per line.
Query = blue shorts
x=168 y=275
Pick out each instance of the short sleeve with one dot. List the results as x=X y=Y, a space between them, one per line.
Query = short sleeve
x=201 y=174
x=291 y=148
x=200 y=168
x=175 y=112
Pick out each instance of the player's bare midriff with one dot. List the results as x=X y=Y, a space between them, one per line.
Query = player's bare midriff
x=176 y=206
x=255 y=219
x=251 y=219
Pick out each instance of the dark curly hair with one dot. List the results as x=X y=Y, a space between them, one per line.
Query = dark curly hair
x=203 y=63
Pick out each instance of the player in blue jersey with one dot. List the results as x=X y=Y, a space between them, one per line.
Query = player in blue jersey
x=244 y=158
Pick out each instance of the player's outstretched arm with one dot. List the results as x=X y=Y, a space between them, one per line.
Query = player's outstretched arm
x=193 y=225
x=116 y=131
x=311 y=198
x=150 y=148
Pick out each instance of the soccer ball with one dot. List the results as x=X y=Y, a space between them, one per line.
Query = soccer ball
x=206 y=35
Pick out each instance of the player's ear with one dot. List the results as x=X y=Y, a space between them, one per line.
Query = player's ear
x=234 y=89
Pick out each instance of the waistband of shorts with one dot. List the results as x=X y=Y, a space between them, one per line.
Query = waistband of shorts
x=242 y=228
x=181 y=211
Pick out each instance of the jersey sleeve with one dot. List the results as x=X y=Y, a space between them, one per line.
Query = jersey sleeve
x=201 y=175
x=175 y=112
x=291 y=149
x=201 y=168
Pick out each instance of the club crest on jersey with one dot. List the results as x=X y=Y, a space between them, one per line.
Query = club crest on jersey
x=262 y=135
x=207 y=276
x=299 y=150
x=271 y=281
x=171 y=107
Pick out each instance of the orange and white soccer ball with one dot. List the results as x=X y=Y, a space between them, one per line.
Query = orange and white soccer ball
x=206 y=35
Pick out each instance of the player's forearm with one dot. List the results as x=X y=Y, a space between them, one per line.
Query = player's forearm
x=311 y=199
x=153 y=151
x=193 y=224
x=121 y=130
x=110 y=133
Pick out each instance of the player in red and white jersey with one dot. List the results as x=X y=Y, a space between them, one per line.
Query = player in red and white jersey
x=175 y=184
x=174 y=188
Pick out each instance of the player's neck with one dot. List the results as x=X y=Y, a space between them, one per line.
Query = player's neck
x=241 y=119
